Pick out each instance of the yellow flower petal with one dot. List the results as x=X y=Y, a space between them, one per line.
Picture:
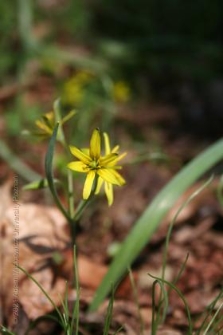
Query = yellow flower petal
x=80 y=155
x=107 y=144
x=78 y=166
x=110 y=158
x=115 y=149
x=120 y=179
x=99 y=185
x=122 y=156
x=88 y=184
x=109 y=193
x=109 y=176
x=95 y=145
x=41 y=125
x=86 y=151
x=115 y=161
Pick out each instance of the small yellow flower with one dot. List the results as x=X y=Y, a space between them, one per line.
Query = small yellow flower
x=100 y=169
x=46 y=124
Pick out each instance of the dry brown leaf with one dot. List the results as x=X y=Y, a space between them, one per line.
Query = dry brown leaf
x=31 y=235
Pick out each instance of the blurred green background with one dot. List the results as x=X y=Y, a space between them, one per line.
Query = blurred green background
x=165 y=51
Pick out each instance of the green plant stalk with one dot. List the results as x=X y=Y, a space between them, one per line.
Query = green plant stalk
x=149 y=221
x=76 y=310
x=84 y=203
x=49 y=173
x=61 y=138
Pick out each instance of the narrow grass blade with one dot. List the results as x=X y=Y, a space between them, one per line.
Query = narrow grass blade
x=42 y=289
x=159 y=310
x=209 y=311
x=108 y=318
x=145 y=226
x=213 y=318
x=173 y=287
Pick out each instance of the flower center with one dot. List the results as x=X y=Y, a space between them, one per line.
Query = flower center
x=94 y=165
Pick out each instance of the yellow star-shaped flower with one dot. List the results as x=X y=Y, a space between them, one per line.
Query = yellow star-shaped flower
x=100 y=169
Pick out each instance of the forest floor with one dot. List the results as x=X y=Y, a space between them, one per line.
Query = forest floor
x=197 y=236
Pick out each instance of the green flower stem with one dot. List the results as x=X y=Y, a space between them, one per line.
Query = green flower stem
x=61 y=138
x=84 y=203
x=49 y=173
x=70 y=193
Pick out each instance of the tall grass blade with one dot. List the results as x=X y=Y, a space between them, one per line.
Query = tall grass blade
x=213 y=318
x=109 y=314
x=159 y=316
x=209 y=311
x=44 y=292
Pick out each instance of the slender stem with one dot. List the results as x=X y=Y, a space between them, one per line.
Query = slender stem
x=70 y=193
x=84 y=203
x=62 y=139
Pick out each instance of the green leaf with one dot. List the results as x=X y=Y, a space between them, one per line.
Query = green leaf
x=149 y=221
x=39 y=184
x=49 y=171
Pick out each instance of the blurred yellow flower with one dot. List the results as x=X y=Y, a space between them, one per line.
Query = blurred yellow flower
x=46 y=124
x=121 y=91
x=100 y=169
x=73 y=92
